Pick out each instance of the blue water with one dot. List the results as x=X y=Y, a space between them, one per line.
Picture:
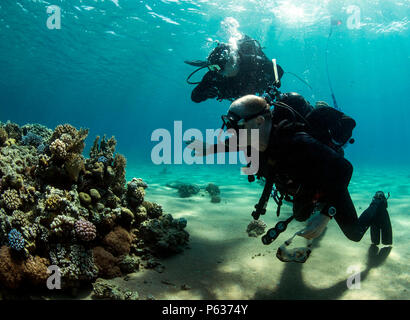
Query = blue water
x=117 y=68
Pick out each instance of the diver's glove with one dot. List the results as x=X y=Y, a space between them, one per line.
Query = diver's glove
x=316 y=224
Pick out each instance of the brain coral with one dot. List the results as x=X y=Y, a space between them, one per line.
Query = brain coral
x=85 y=230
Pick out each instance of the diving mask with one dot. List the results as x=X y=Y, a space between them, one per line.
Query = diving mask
x=299 y=255
x=233 y=121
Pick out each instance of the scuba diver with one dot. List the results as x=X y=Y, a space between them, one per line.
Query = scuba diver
x=301 y=159
x=235 y=72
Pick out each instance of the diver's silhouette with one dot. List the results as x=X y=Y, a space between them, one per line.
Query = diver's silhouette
x=292 y=285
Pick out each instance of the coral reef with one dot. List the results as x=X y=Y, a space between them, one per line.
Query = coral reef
x=106 y=263
x=103 y=150
x=38 y=130
x=16 y=240
x=76 y=264
x=11 y=270
x=118 y=241
x=153 y=210
x=164 y=235
x=135 y=193
x=59 y=208
x=31 y=139
x=185 y=190
x=256 y=228
x=214 y=192
x=15 y=271
x=108 y=290
x=129 y=264
x=35 y=270
x=3 y=136
x=11 y=199
x=85 y=230
x=13 y=130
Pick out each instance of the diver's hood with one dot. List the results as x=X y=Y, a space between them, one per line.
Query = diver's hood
x=197 y=63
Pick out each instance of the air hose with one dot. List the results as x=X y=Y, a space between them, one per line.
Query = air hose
x=327 y=70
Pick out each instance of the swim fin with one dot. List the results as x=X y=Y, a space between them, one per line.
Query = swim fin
x=381 y=228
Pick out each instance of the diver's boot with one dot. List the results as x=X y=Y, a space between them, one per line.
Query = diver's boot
x=381 y=225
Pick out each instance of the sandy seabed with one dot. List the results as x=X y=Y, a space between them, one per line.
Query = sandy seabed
x=222 y=262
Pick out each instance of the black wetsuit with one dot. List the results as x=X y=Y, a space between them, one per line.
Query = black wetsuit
x=255 y=75
x=307 y=168
x=313 y=168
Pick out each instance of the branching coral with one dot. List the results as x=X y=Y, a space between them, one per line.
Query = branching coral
x=19 y=219
x=11 y=199
x=62 y=225
x=71 y=137
x=16 y=240
x=105 y=148
x=75 y=262
x=119 y=174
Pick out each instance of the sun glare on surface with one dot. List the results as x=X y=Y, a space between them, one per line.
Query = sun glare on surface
x=289 y=13
x=296 y=14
